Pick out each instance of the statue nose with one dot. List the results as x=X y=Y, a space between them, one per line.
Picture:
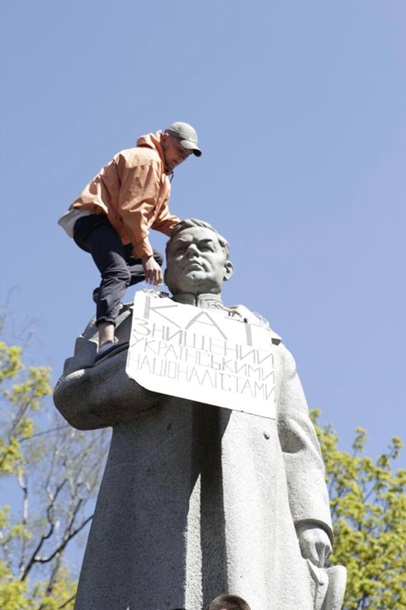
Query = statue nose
x=192 y=250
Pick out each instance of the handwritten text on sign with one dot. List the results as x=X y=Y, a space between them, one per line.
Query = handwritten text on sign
x=202 y=355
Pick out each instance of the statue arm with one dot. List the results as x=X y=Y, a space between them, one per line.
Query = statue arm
x=305 y=473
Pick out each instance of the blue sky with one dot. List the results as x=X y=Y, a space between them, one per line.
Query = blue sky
x=300 y=109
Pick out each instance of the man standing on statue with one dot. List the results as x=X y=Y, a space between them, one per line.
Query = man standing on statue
x=111 y=217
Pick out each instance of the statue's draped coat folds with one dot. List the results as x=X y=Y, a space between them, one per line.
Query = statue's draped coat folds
x=196 y=500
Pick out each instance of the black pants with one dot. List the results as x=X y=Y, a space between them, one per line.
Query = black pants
x=118 y=267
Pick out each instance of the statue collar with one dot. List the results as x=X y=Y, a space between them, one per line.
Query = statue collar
x=204 y=301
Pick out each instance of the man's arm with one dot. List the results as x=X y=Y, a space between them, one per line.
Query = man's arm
x=138 y=199
x=152 y=270
x=165 y=221
x=140 y=191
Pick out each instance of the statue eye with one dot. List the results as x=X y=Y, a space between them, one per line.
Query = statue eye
x=206 y=247
x=180 y=249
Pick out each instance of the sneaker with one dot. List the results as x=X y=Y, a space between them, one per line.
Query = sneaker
x=110 y=348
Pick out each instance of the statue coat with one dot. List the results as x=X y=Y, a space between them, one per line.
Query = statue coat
x=195 y=500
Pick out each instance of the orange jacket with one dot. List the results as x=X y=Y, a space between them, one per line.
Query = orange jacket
x=133 y=191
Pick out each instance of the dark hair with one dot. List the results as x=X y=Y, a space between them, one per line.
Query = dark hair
x=189 y=223
x=228 y=602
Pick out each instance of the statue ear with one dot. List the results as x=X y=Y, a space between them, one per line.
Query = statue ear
x=228 y=270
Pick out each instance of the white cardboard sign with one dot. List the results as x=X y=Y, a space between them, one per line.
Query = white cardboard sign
x=203 y=355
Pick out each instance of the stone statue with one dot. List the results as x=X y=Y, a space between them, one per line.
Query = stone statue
x=197 y=500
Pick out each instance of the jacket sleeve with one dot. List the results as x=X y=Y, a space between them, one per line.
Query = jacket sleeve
x=165 y=221
x=138 y=199
x=305 y=472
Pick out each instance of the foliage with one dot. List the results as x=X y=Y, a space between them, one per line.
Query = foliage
x=368 y=503
x=50 y=472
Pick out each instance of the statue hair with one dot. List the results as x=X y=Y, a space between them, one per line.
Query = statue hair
x=228 y=602
x=190 y=223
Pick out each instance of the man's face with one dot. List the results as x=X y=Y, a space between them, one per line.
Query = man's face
x=174 y=152
x=196 y=262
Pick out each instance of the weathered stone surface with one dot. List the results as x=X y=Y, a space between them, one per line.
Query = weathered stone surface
x=195 y=499
x=198 y=500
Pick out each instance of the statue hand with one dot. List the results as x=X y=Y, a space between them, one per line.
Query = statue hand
x=314 y=543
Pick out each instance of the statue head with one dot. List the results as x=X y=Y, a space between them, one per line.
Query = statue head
x=197 y=259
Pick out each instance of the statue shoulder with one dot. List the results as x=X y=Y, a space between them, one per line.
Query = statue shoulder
x=252 y=317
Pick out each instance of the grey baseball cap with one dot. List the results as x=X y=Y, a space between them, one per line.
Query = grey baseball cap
x=187 y=136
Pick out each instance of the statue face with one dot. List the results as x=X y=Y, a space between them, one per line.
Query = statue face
x=196 y=262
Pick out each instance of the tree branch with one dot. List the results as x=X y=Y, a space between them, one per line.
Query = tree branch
x=64 y=543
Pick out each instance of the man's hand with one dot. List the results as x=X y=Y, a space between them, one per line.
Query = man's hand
x=314 y=543
x=153 y=272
